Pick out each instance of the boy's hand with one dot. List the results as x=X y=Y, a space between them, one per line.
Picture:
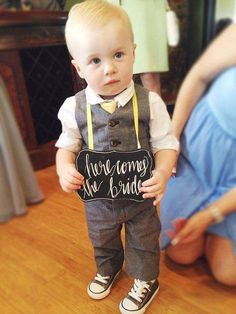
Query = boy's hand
x=70 y=179
x=155 y=186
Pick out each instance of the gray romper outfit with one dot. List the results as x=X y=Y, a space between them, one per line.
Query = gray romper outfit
x=105 y=218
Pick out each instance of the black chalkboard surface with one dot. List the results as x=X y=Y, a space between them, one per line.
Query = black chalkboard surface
x=113 y=175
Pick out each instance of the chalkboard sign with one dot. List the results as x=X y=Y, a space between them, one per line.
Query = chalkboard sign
x=113 y=175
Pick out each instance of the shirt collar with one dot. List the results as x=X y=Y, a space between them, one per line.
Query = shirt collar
x=121 y=99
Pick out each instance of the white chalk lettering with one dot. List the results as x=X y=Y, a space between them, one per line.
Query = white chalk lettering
x=130 y=187
x=90 y=188
x=97 y=169
x=115 y=175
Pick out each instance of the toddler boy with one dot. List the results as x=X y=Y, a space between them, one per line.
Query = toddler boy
x=100 y=40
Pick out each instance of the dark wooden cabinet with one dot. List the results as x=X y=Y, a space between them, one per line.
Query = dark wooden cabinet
x=35 y=66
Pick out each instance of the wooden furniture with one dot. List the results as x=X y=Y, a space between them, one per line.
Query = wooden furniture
x=35 y=67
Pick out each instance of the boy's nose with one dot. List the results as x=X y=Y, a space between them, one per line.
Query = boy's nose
x=109 y=68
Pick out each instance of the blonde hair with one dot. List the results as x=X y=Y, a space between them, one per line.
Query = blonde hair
x=92 y=13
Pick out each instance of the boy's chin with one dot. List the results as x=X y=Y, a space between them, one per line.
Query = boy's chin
x=112 y=94
x=107 y=96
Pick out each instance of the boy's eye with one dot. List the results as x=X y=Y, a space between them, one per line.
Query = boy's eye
x=118 y=55
x=96 y=60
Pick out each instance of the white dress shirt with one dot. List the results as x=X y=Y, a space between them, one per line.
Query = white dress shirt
x=161 y=136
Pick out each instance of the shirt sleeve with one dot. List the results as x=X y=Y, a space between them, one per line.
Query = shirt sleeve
x=70 y=138
x=161 y=135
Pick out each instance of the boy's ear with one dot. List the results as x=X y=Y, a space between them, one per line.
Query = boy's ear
x=75 y=65
x=134 y=50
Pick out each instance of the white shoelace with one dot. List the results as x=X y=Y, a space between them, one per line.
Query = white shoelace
x=102 y=279
x=139 y=289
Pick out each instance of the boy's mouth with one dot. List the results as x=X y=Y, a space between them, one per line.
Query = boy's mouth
x=112 y=82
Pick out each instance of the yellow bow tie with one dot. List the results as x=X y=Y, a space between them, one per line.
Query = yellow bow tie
x=109 y=106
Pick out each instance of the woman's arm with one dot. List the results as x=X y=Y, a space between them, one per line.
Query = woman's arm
x=220 y=55
x=190 y=229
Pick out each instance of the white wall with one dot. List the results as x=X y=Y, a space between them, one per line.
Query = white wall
x=225 y=9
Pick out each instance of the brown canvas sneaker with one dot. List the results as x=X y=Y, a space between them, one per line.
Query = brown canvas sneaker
x=100 y=287
x=139 y=297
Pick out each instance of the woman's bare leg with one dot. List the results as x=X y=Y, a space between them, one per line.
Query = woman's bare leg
x=186 y=253
x=221 y=259
x=218 y=252
x=151 y=81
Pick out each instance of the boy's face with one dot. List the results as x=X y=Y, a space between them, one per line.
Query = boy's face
x=105 y=58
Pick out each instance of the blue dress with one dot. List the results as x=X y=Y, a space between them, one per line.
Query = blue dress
x=207 y=164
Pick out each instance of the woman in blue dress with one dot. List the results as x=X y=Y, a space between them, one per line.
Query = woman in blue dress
x=198 y=212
